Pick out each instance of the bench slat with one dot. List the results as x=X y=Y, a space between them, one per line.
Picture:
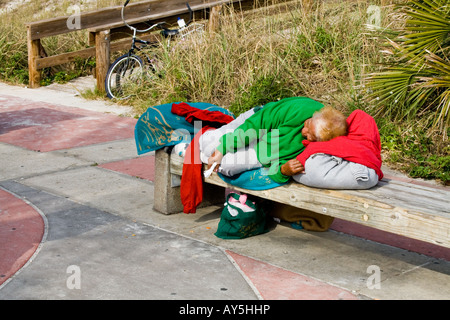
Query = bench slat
x=414 y=211
x=432 y=200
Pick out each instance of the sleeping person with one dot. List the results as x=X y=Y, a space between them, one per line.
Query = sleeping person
x=352 y=161
x=269 y=136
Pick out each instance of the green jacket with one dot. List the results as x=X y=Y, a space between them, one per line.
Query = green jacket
x=277 y=130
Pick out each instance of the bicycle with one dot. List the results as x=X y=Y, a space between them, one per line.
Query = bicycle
x=127 y=69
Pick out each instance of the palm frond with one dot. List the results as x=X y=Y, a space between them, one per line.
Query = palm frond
x=418 y=75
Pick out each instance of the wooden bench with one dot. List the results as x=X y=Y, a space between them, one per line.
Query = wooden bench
x=417 y=211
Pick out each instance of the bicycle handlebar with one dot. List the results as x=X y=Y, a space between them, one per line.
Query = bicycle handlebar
x=156 y=24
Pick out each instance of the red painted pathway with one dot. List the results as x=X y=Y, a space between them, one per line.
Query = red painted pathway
x=45 y=127
x=21 y=232
x=275 y=283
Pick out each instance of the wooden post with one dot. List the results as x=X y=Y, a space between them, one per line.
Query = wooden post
x=33 y=53
x=102 y=48
x=214 y=18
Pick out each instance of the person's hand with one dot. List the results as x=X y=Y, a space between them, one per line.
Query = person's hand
x=292 y=167
x=215 y=157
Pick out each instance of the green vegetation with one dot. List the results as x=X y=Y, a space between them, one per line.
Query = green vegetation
x=416 y=80
x=13 y=41
x=326 y=53
x=413 y=89
x=408 y=148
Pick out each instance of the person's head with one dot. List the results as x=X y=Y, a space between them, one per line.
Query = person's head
x=325 y=124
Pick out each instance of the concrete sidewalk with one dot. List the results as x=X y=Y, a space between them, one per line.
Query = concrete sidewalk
x=77 y=222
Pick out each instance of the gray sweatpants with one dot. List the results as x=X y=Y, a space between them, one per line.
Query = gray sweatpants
x=330 y=172
x=232 y=163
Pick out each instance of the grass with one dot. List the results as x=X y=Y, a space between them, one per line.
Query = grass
x=258 y=57
x=407 y=148
x=268 y=54
x=13 y=41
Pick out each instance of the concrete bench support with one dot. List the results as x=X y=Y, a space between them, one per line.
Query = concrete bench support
x=166 y=198
x=167 y=190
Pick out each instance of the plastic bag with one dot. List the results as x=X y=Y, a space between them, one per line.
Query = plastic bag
x=241 y=218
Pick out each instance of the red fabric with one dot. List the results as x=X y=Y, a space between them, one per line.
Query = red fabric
x=191 y=187
x=362 y=144
x=212 y=118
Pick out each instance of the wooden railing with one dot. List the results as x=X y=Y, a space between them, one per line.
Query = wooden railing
x=105 y=29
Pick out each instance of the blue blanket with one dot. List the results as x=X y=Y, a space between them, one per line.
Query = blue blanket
x=256 y=179
x=158 y=127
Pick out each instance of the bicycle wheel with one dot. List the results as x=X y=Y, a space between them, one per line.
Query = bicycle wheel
x=122 y=74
